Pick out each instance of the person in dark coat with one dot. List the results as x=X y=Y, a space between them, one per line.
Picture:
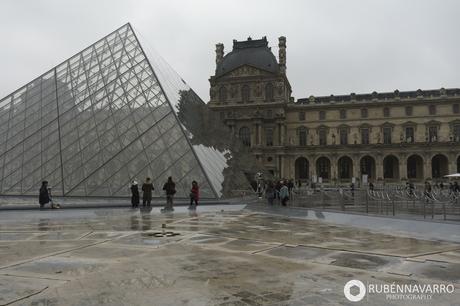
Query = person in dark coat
x=194 y=195
x=170 y=188
x=147 y=189
x=134 y=195
x=277 y=189
x=371 y=186
x=44 y=196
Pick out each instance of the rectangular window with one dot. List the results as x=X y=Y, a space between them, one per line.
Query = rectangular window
x=269 y=113
x=365 y=136
x=364 y=113
x=322 y=137
x=343 y=136
x=269 y=137
x=432 y=134
x=456 y=130
x=386 y=112
x=302 y=116
x=302 y=137
x=456 y=108
x=409 y=134
x=343 y=114
x=387 y=135
x=432 y=109
x=408 y=110
x=322 y=115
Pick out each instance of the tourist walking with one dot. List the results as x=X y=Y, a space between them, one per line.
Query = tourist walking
x=194 y=195
x=147 y=189
x=270 y=193
x=170 y=188
x=134 y=195
x=284 y=194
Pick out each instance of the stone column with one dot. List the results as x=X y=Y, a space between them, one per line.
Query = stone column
x=256 y=134
x=452 y=163
x=402 y=166
x=356 y=167
x=379 y=167
x=427 y=167
x=312 y=164
x=283 y=134
x=334 y=168
x=280 y=166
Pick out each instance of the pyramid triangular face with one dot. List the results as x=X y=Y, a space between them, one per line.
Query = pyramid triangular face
x=93 y=124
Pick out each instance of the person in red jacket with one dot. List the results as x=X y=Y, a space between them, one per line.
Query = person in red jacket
x=194 y=195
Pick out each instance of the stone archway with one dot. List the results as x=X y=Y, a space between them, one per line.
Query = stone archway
x=415 y=167
x=367 y=167
x=439 y=166
x=345 y=168
x=323 y=168
x=391 y=167
x=302 y=168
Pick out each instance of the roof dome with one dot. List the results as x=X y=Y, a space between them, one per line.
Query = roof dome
x=255 y=53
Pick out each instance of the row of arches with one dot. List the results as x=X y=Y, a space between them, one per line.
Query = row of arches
x=367 y=166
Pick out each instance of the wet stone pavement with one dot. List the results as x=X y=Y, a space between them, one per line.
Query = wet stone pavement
x=217 y=255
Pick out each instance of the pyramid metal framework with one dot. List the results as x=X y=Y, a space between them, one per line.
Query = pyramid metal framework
x=94 y=123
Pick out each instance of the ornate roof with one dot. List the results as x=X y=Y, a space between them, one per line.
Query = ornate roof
x=251 y=52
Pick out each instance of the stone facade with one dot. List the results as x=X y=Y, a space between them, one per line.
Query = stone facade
x=381 y=137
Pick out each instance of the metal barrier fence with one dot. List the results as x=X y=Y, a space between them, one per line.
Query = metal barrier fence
x=440 y=204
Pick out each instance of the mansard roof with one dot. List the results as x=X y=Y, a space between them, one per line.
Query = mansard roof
x=251 y=52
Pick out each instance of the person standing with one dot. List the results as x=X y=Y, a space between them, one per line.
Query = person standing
x=170 y=188
x=427 y=191
x=134 y=194
x=277 y=189
x=194 y=195
x=371 y=186
x=44 y=197
x=290 y=185
x=147 y=189
x=352 y=189
x=284 y=194
x=270 y=193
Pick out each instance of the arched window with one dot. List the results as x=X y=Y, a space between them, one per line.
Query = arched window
x=302 y=132
x=245 y=94
x=269 y=92
x=223 y=94
x=245 y=136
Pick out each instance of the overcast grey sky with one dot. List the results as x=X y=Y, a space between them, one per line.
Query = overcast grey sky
x=333 y=47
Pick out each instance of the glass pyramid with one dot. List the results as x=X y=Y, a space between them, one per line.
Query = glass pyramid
x=102 y=118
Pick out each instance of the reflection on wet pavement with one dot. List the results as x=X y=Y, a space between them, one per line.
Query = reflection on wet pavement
x=216 y=256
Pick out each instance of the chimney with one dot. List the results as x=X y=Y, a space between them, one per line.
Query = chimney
x=219 y=53
x=282 y=54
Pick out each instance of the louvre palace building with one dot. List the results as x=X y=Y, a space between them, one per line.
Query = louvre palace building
x=388 y=137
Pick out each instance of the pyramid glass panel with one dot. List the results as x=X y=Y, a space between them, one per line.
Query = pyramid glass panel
x=107 y=116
